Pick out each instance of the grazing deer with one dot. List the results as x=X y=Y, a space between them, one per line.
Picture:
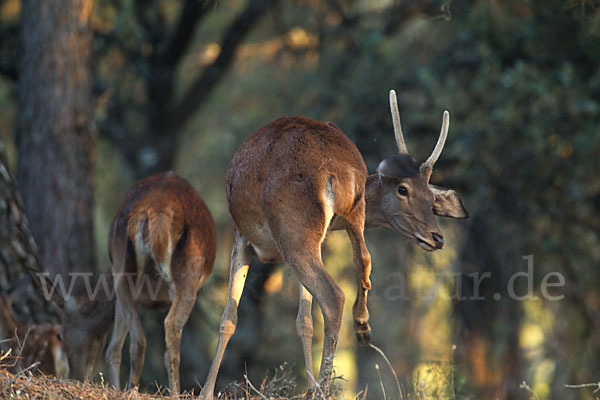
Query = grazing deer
x=32 y=343
x=86 y=319
x=163 y=237
x=295 y=179
x=162 y=246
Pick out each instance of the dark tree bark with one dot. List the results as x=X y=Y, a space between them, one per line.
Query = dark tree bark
x=18 y=251
x=55 y=132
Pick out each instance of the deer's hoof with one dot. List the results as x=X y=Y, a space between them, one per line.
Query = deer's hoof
x=363 y=333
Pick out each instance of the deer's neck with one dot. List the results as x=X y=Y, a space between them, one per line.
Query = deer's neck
x=96 y=309
x=373 y=215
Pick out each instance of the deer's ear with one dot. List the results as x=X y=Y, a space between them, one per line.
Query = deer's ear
x=447 y=203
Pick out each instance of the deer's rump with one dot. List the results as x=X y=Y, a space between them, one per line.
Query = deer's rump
x=297 y=169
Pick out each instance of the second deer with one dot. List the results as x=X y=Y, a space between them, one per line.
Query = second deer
x=294 y=180
x=162 y=246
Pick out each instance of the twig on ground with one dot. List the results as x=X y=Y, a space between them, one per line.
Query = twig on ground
x=253 y=388
x=32 y=366
x=317 y=386
x=377 y=349
x=4 y=356
x=358 y=394
x=363 y=392
x=585 y=385
x=20 y=346
x=525 y=386
x=380 y=382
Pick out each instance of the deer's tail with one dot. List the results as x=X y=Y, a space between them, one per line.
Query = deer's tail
x=160 y=235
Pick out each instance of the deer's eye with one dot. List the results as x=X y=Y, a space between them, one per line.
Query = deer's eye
x=402 y=191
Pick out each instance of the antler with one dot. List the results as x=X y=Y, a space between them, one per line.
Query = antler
x=397 y=127
x=440 y=143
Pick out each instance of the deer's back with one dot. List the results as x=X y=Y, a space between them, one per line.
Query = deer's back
x=169 y=194
x=293 y=155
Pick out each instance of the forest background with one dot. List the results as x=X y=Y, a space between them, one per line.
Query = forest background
x=94 y=95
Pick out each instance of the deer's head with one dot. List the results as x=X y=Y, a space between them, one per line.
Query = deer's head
x=408 y=202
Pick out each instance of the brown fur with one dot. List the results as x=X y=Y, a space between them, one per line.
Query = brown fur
x=290 y=162
x=164 y=232
x=288 y=184
x=285 y=185
x=159 y=227
x=86 y=322
x=169 y=205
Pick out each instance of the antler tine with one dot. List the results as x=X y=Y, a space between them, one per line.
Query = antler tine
x=440 y=143
x=397 y=127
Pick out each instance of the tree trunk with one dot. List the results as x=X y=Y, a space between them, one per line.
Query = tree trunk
x=55 y=132
x=488 y=353
x=18 y=251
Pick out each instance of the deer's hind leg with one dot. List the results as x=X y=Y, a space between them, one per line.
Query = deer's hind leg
x=121 y=263
x=304 y=328
x=181 y=307
x=187 y=272
x=299 y=242
x=127 y=319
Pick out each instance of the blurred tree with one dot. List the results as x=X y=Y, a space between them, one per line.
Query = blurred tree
x=521 y=82
x=147 y=129
x=19 y=256
x=489 y=353
x=9 y=44
x=55 y=132
x=148 y=134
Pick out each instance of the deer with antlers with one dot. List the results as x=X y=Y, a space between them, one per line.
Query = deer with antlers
x=31 y=343
x=294 y=180
x=162 y=246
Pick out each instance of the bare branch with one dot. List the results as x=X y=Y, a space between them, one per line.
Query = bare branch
x=202 y=87
x=179 y=40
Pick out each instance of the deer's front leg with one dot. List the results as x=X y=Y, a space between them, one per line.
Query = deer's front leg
x=240 y=262
x=94 y=355
x=362 y=260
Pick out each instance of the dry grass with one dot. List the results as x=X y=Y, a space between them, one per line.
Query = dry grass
x=25 y=385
